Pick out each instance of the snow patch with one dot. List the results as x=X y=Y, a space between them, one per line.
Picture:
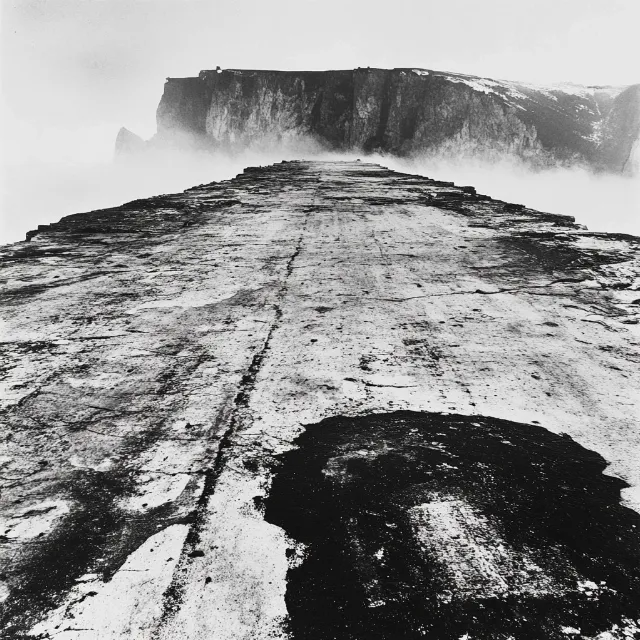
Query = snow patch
x=484 y=85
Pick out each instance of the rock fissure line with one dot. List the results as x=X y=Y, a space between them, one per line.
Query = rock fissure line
x=172 y=596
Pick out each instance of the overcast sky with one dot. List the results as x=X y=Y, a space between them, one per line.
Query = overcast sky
x=94 y=65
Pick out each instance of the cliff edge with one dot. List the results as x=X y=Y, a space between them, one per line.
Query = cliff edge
x=405 y=112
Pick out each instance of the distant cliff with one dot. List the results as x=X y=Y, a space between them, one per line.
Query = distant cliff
x=406 y=112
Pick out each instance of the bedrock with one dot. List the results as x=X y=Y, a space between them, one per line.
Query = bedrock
x=222 y=407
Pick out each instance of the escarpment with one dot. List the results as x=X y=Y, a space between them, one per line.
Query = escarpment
x=405 y=112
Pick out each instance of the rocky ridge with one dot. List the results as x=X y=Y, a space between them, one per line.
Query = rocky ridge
x=165 y=362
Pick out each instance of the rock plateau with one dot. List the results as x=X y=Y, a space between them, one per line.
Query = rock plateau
x=320 y=400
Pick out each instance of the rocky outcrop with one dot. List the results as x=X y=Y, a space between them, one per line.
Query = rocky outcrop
x=318 y=399
x=404 y=112
x=128 y=143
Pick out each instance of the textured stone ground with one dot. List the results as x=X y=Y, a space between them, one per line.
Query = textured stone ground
x=160 y=358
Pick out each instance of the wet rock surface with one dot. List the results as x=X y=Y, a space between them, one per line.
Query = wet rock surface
x=428 y=525
x=160 y=361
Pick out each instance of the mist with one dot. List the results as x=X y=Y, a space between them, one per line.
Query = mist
x=74 y=71
x=60 y=174
x=57 y=179
x=602 y=202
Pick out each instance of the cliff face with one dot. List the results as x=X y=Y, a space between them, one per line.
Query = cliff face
x=320 y=400
x=620 y=140
x=405 y=112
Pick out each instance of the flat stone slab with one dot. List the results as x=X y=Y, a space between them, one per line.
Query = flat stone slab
x=201 y=391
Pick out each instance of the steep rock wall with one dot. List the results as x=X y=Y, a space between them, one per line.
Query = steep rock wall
x=622 y=124
x=405 y=112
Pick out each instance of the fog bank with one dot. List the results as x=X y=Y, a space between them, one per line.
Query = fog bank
x=602 y=202
x=40 y=190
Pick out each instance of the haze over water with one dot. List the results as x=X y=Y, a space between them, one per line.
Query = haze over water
x=41 y=191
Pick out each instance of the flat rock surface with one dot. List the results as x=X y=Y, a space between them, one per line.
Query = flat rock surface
x=320 y=400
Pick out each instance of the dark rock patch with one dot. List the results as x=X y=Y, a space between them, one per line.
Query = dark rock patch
x=426 y=525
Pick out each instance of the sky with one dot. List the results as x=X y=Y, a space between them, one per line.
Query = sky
x=72 y=72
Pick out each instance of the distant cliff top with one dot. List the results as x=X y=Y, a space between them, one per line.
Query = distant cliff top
x=487 y=85
x=406 y=111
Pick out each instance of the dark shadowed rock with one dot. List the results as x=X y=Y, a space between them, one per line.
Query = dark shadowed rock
x=446 y=526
